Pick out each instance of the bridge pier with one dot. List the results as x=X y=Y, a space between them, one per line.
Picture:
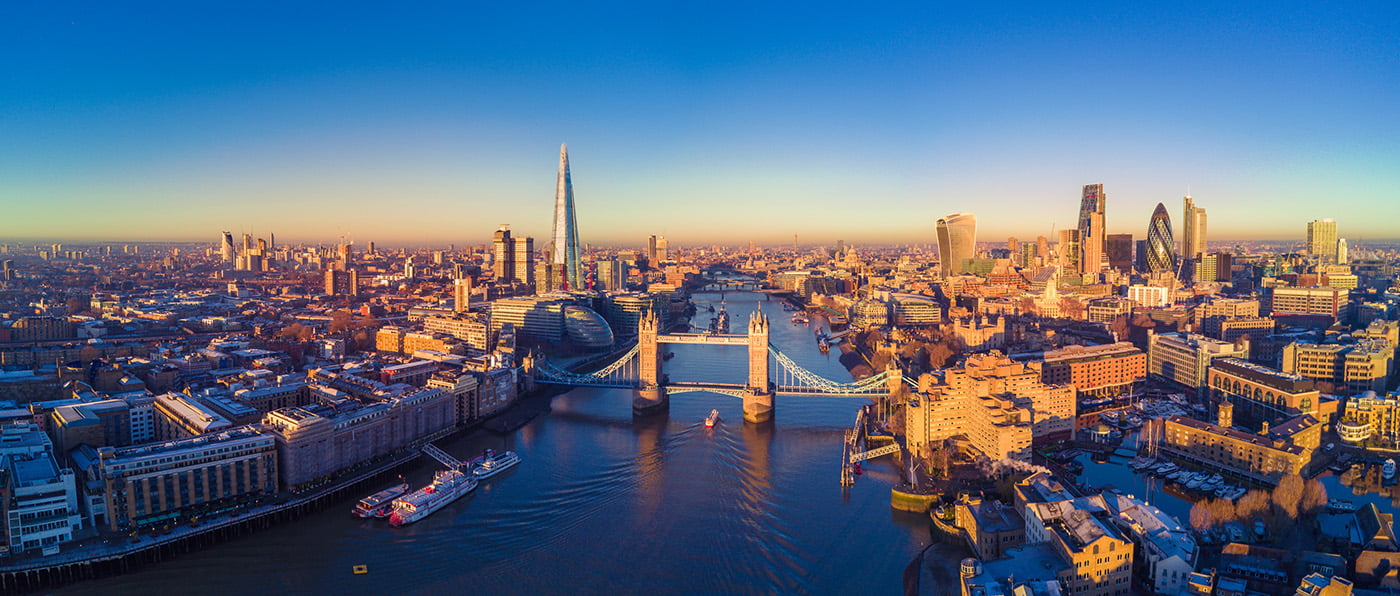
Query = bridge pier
x=650 y=400
x=758 y=406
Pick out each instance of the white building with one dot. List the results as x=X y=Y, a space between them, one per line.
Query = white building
x=1149 y=296
x=41 y=499
x=1165 y=548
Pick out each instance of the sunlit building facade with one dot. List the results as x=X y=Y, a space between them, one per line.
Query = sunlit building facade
x=957 y=242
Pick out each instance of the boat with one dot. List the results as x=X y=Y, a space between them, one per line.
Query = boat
x=494 y=463
x=1341 y=506
x=1388 y=470
x=712 y=419
x=1166 y=468
x=447 y=486
x=379 y=504
x=800 y=318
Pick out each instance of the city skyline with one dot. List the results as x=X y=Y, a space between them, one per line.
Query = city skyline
x=164 y=126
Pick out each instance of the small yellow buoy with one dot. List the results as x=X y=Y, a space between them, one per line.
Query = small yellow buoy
x=360 y=569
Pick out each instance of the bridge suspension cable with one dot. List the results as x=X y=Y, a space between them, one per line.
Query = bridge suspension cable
x=800 y=378
x=617 y=373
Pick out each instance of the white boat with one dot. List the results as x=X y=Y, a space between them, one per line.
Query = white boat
x=494 y=463
x=712 y=419
x=1193 y=484
x=447 y=486
x=1341 y=506
x=379 y=504
x=1166 y=468
x=1388 y=470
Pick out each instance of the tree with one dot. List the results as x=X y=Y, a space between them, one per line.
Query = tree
x=1314 y=497
x=1288 y=497
x=1071 y=308
x=1200 y=517
x=78 y=304
x=1253 y=504
x=1222 y=510
x=1119 y=327
x=340 y=321
x=1027 y=306
x=939 y=354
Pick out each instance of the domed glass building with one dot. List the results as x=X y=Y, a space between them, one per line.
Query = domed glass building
x=586 y=328
x=1161 y=255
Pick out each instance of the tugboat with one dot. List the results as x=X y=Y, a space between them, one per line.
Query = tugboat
x=712 y=419
x=379 y=504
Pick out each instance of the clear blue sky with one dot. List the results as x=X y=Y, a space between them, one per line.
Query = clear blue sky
x=704 y=123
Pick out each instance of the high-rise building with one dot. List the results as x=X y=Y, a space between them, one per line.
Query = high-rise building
x=503 y=254
x=1160 y=249
x=525 y=260
x=957 y=240
x=663 y=250
x=461 y=294
x=1193 y=230
x=1069 y=251
x=1322 y=240
x=1342 y=256
x=226 y=252
x=7 y=270
x=1093 y=204
x=565 y=247
x=1120 y=251
x=651 y=250
x=342 y=283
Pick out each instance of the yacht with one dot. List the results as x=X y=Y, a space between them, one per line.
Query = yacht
x=379 y=504
x=494 y=463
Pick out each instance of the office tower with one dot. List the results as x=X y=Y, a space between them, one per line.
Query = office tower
x=1193 y=230
x=1322 y=240
x=1042 y=248
x=7 y=270
x=503 y=255
x=345 y=256
x=226 y=252
x=272 y=242
x=1093 y=204
x=371 y=247
x=663 y=250
x=1120 y=251
x=439 y=257
x=461 y=294
x=1028 y=256
x=1070 y=252
x=651 y=250
x=1140 y=255
x=1013 y=245
x=565 y=246
x=957 y=238
x=1160 y=250
x=342 y=283
x=525 y=260
x=1342 y=256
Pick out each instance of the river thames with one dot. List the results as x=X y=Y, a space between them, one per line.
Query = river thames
x=604 y=502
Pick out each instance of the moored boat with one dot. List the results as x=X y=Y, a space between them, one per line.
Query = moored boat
x=447 y=486
x=495 y=463
x=379 y=504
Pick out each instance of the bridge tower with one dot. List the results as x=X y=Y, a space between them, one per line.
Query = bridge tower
x=758 y=396
x=650 y=395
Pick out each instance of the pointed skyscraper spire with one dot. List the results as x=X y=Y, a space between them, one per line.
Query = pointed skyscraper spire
x=564 y=257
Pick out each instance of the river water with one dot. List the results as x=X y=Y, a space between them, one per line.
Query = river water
x=606 y=503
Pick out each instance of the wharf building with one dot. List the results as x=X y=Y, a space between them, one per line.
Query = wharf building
x=1184 y=358
x=1001 y=406
x=1081 y=532
x=316 y=441
x=1095 y=371
x=1262 y=458
x=1365 y=365
x=1370 y=417
x=38 y=499
x=158 y=483
x=1263 y=394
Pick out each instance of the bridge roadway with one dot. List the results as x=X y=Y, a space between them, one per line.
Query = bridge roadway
x=737 y=389
x=714 y=339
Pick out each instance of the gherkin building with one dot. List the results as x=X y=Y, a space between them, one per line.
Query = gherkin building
x=1160 y=253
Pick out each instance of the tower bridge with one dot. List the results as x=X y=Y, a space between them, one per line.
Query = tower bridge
x=639 y=369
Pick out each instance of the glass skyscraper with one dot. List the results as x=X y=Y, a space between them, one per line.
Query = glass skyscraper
x=957 y=242
x=1161 y=254
x=564 y=250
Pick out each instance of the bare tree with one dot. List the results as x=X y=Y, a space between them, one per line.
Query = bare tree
x=1253 y=504
x=1314 y=497
x=1200 y=517
x=1288 y=497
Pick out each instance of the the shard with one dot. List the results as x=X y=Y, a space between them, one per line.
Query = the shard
x=564 y=257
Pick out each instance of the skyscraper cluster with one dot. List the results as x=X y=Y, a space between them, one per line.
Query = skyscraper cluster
x=254 y=255
x=513 y=258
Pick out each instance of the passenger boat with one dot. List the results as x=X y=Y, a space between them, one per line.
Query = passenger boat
x=379 y=504
x=712 y=419
x=494 y=463
x=447 y=486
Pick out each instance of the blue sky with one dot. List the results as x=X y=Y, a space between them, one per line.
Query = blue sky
x=713 y=123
